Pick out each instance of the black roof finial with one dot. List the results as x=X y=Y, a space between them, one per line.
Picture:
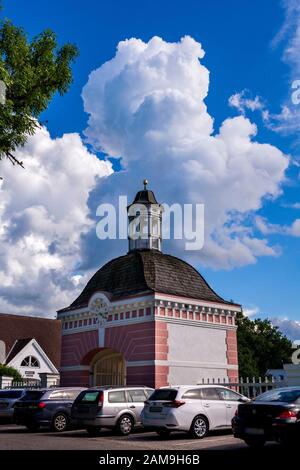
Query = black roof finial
x=145 y=182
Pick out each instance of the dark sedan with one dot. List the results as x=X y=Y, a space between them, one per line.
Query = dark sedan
x=50 y=407
x=272 y=416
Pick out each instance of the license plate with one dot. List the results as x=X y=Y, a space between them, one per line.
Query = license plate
x=255 y=431
x=155 y=409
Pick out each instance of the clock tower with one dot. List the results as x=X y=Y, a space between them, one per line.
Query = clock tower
x=145 y=221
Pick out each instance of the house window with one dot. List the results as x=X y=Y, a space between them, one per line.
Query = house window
x=30 y=361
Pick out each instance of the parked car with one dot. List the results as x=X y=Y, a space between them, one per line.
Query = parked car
x=272 y=416
x=8 y=398
x=117 y=408
x=196 y=409
x=47 y=407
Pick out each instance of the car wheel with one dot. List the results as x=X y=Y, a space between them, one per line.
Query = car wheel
x=124 y=425
x=32 y=427
x=199 y=427
x=60 y=422
x=93 y=430
x=163 y=433
x=255 y=442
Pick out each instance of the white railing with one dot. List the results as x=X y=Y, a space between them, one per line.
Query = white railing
x=249 y=386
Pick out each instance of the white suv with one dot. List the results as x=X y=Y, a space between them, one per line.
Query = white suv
x=192 y=408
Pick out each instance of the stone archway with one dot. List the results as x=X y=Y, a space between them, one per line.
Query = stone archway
x=108 y=368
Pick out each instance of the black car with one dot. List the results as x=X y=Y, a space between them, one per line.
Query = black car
x=48 y=407
x=272 y=416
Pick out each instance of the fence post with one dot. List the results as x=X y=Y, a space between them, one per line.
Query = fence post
x=253 y=387
x=49 y=380
x=5 y=381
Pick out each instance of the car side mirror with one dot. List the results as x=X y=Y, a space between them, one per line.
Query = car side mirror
x=244 y=399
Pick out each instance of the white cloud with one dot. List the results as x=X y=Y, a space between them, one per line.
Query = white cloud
x=290 y=328
x=147 y=105
x=242 y=103
x=288 y=119
x=267 y=228
x=294 y=229
x=251 y=311
x=43 y=213
x=290 y=33
x=295 y=205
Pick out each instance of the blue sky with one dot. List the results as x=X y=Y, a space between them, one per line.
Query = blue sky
x=239 y=53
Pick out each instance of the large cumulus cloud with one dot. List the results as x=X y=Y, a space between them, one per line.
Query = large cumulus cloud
x=43 y=214
x=147 y=105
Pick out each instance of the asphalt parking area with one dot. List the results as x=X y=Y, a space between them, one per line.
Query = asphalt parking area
x=18 y=438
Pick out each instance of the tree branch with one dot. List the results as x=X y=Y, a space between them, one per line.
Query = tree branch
x=14 y=160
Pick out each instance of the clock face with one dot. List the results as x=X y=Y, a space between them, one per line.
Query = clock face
x=99 y=307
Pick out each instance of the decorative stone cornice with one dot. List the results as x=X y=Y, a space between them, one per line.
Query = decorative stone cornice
x=141 y=309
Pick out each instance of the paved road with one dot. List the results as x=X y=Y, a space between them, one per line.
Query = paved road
x=18 y=438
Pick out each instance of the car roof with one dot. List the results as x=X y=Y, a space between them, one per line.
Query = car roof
x=177 y=387
x=52 y=389
x=125 y=387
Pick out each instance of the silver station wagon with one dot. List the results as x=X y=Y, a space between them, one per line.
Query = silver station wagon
x=117 y=408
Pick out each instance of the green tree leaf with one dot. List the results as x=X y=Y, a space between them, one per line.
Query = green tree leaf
x=261 y=346
x=32 y=71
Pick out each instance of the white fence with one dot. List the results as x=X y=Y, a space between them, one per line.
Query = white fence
x=250 y=387
x=45 y=381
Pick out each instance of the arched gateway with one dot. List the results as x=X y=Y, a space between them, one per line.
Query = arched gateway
x=108 y=368
x=147 y=318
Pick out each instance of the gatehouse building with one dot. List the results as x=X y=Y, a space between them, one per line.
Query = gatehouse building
x=148 y=318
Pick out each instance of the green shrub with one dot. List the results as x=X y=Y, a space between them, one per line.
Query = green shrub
x=11 y=372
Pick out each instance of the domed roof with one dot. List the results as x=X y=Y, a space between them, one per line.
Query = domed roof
x=147 y=271
x=145 y=197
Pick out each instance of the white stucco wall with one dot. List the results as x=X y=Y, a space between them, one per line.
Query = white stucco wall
x=196 y=353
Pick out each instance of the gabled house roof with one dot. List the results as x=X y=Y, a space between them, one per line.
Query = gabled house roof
x=23 y=348
x=45 y=331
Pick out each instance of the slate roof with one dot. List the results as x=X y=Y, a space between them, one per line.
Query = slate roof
x=147 y=271
x=45 y=331
x=145 y=197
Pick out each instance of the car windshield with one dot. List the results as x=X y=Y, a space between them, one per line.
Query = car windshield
x=33 y=395
x=163 y=394
x=10 y=393
x=286 y=396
